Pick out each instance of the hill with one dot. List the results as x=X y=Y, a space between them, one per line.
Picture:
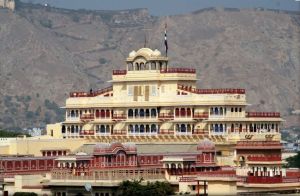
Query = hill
x=47 y=52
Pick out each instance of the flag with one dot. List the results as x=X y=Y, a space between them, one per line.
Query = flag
x=166 y=41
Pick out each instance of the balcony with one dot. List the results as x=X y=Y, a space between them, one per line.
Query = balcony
x=166 y=116
x=263 y=114
x=179 y=70
x=87 y=117
x=119 y=117
x=203 y=115
x=258 y=145
x=119 y=72
x=210 y=91
x=91 y=94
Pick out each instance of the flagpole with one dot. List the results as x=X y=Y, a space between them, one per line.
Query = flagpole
x=166 y=40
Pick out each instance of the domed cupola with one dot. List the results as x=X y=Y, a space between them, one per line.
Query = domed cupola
x=146 y=59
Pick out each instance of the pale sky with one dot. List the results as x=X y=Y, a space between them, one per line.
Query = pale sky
x=170 y=7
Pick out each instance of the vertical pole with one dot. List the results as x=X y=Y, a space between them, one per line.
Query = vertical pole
x=204 y=187
x=198 y=188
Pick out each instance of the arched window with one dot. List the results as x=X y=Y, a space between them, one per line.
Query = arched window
x=102 y=129
x=240 y=110
x=182 y=112
x=130 y=113
x=153 y=112
x=136 y=112
x=147 y=128
x=189 y=128
x=107 y=130
x=136 y=129
x=188 y=112
x=216 y=128
x=231 y=109
x=63 y=129
x=142 y=113
x=221 y=111
x=153 y=128
x=221 y=128
x=142 y=128
x=72 y=113
x=107 y=114
x=212 y=111
x=236 y=110
x=241 y=128
x=182 y=128
x=177 y=112
x=147 y=113
x=232 y=127
x=251 y=128
x=76 y=129
x=72 y=129
x=102 y=113
x=97 y=114
x=216 y=111
x=131 y=128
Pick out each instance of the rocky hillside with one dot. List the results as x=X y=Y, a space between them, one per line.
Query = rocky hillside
x=46 y=53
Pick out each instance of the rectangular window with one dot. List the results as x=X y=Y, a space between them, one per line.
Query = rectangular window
x=130 y=90
x=153 y=90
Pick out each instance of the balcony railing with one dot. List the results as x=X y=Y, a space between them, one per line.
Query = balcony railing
x=91 y=94
x=119 y=72
x=166 y=116
x=119 y=132
x=178 y=70
x=263 y=114
x=263 y=179
x=200 y=132
x=166 y=131
x=142 y=133
x=202 y=115
x=264 y=158
x=263 y=144
x=87 y=132
x=210 y=91
x=119 y=117
x=87 y=117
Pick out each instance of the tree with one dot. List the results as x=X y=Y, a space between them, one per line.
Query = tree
x=135 y=188
x=294 y=161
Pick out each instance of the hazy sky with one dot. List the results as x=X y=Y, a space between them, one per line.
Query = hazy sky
x=170 y=7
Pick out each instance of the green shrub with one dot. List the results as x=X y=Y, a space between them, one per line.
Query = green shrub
x=46 y=23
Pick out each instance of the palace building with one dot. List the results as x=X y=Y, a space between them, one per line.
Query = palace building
x=152 y=123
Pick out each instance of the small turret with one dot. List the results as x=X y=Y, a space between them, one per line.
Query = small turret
x=146 y=59
x=9 y=4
